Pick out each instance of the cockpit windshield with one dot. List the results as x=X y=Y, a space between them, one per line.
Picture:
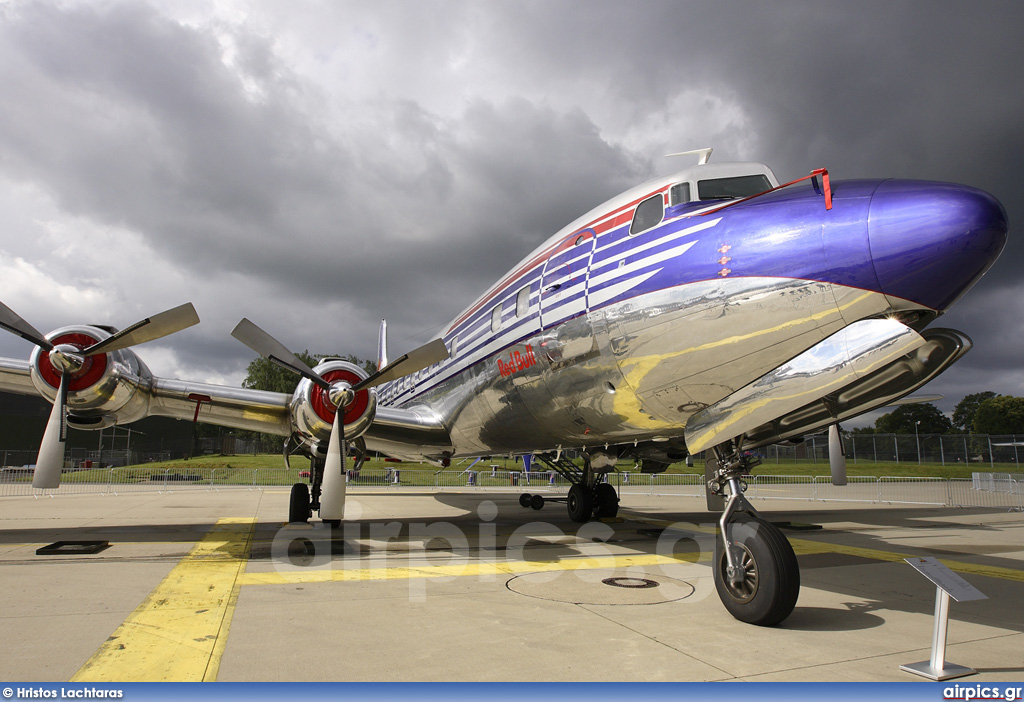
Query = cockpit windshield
x=736 y=186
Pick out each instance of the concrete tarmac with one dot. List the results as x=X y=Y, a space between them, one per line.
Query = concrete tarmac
x=211 y=585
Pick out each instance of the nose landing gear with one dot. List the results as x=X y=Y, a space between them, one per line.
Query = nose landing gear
x=755 y=570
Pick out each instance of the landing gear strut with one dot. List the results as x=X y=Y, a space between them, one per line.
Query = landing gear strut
x=756 y=572
x=588 y=497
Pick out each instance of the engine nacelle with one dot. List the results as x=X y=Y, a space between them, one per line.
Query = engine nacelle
x=313 y=412
x=105 y=390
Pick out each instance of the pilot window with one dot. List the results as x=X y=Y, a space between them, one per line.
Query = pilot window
x=523 y=302
x=728 y=188
x=648 y=214
x=679 y=194
x=496 y=318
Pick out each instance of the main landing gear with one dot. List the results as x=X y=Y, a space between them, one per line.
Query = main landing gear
x=755 y=570
x=588 y=497
x=305 y=499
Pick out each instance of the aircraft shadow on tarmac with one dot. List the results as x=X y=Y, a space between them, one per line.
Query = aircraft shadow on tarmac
x=868 y=591
x=871 y=587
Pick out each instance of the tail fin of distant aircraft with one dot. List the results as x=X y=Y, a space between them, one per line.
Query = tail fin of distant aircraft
x=382 y=345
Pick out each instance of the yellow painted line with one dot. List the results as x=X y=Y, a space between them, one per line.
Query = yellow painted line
x=467 y=569
x=179 y=631
x=805 y=547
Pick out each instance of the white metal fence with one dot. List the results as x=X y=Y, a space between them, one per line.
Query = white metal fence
x=986 y=490
x=993 y=452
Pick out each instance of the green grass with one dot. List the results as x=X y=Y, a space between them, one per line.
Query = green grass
x=908 y=469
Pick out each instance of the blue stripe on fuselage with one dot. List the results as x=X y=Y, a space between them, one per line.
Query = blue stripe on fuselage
x=785 y=234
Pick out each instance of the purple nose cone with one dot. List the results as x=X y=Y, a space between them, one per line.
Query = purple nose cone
x=930 y=242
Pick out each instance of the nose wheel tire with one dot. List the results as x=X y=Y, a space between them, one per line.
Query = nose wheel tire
x=766 y=591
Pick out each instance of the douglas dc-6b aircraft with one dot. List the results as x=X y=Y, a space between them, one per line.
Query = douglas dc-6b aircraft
x=712 y=309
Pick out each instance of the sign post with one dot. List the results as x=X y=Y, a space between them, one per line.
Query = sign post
x=947 y=584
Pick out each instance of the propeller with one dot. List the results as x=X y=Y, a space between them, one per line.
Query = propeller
x=836 y=456
x=341 y=394
x=67 y=359
x=12 y=322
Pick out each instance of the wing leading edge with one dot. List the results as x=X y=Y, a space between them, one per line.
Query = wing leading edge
x=867 y=365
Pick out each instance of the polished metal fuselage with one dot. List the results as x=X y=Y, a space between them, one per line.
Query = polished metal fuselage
x=640 y=369
x=625 y=337
x=611 y=333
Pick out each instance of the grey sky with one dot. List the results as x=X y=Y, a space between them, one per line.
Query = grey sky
x=318 y=166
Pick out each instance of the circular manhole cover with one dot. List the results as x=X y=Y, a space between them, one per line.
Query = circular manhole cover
x=639 y=583
x=600 y=587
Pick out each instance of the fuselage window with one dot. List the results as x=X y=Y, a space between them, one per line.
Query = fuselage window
x=728 y=188
x=496 y=318
x=680 y=193
x=648 y=214
x=523 y=302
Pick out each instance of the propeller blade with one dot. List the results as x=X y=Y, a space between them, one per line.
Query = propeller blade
x=13 y=322
x=836 y=456
x=265 y=345
x=155 y=327
x=51 y=451
x=415 y=360
x=332 y=489
x=382 y=345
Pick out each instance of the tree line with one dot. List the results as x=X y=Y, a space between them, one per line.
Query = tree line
x=978 y=413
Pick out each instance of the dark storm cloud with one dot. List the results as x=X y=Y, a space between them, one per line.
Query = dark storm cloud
x=142 y=123
x=449 y=139
x=148 y=128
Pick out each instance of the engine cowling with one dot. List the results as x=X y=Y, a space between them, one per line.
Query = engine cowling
x=313 y=412
x=105 y=390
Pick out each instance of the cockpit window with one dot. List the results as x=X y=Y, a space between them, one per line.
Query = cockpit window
x=728 y=188
x=680 y=194
x=649 y=213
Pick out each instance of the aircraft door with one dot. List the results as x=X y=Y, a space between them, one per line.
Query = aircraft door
x=563 y=288
x=567 y=333
x=561 y=398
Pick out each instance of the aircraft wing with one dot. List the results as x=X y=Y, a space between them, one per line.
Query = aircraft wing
x=239 y=408
x=869 y=364
x=15 y=377
x=404 y=433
